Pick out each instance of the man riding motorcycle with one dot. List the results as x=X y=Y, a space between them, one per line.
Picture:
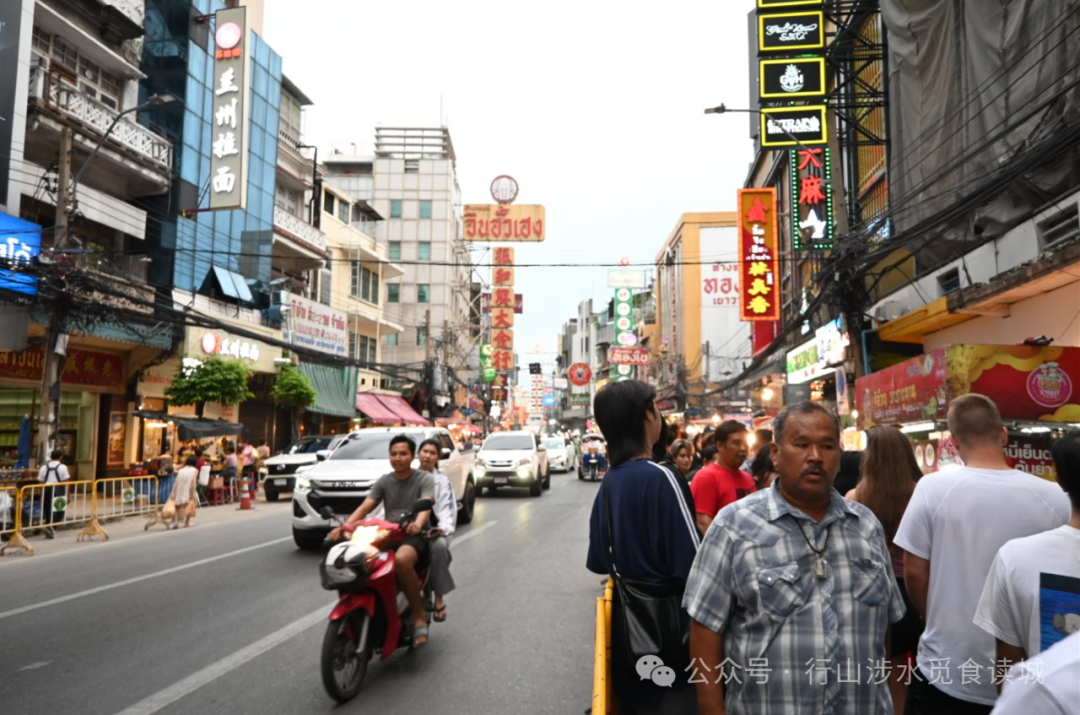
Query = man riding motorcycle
x=398 y=491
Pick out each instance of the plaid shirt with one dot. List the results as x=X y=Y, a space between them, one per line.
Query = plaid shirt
x=794 y=643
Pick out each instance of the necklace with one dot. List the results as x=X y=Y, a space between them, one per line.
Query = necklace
x=820 y=567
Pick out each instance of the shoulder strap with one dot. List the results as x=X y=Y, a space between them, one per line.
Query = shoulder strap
x=611 y=535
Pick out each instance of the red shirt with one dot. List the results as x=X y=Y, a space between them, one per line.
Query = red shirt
x=715 y=486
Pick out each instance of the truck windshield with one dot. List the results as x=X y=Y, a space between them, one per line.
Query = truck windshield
x=502 y=442
x=310 y=445
x=366 y=446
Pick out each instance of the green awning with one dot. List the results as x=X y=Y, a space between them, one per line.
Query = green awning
x=336 y=388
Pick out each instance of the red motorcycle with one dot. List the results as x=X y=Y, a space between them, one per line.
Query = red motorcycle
x=372 y=614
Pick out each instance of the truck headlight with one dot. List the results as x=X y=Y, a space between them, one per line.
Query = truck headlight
x=524 y=472
x=479 y=471
x=303 y=485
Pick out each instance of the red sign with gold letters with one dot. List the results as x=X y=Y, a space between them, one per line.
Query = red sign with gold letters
x=87 y=368
x=759 y=277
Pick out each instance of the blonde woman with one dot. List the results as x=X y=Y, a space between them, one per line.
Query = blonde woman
x=183 y=492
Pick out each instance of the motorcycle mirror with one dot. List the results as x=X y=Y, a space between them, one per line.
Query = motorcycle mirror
x=327 y=513
x=422 y=505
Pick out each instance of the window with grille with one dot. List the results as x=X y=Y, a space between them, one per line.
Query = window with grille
x=343 y=211
x=65 y=54
x=42 y=40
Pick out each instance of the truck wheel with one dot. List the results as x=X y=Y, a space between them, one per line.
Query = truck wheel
x=536 y=488
x=271 y=494
x=547 y=479
x=468 y=504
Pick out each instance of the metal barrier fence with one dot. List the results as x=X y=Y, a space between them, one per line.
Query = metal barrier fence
x=603 y=701
x=45 y=506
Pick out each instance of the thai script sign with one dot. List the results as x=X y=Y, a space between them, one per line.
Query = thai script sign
x=316 y=326
x=86 y=368
x=504 y=222
x=629 y=356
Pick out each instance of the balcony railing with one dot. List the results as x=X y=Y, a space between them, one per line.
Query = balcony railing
x=52 y=92
x=299 y=228
x=374 y=229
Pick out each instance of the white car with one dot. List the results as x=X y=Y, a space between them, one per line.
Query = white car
x=513 y=459
x=561 y=454
x=279 y=472
x=342 y=479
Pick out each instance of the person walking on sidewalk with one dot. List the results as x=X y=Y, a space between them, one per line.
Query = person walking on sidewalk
x=718 y=484
x=791 y=592
x=953 y=528
x=183 y=492
x=53 y=473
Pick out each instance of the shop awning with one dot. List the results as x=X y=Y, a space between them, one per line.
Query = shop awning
x=335 y=387
x=195 y=427
x=403 y=410
x=375 y=411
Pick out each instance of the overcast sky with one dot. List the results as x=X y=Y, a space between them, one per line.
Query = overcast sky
x=595 y=107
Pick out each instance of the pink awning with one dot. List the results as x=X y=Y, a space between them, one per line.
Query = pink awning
x=404 y=411
x=375 y=410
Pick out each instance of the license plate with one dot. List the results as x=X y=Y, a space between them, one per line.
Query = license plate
x=281 y=482
x=502 y=480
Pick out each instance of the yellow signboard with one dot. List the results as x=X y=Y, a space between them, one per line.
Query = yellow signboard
x=504 y=223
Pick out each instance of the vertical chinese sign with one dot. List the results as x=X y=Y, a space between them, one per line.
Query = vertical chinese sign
x=812 y=198
x=624 y=329
x=228 y=134
x=759 y=285
x=502 y=292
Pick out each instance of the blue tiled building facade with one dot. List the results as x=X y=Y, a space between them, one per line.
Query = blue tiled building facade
x=178 y=60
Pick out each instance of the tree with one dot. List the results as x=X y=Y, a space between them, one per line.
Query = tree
x=212 y=380
x=293 y=391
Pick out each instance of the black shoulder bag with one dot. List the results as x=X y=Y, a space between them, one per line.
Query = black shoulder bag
x=653 y=620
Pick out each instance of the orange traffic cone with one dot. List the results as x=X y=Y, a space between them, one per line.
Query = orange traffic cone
x=245 y=495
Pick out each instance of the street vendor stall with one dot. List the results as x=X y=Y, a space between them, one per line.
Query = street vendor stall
x=1034 y=387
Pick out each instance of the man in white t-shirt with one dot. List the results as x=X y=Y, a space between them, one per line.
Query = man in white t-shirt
x=53 y=472
x=951 y=532
x=1048 y=685
x=1031 y=600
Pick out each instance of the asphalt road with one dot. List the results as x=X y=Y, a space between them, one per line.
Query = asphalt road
x=230 y=619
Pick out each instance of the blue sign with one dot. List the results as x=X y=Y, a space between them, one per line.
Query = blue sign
x=20 y=243
x=549 y=400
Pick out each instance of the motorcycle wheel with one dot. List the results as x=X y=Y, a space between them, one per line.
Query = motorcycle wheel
x=345 y=655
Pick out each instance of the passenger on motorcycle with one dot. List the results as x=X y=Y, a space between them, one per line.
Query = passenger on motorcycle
x=445 y=522
x=398 y=491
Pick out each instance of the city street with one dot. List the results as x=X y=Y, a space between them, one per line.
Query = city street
x=230 y=617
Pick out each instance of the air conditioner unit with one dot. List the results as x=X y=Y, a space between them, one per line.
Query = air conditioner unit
x=888 y=310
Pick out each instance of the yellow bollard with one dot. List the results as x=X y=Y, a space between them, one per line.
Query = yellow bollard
x=603 y=701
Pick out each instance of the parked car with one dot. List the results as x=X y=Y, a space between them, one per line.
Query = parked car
x=343 y=477
x=513 y=459
x=561 y=454
x=279 y=471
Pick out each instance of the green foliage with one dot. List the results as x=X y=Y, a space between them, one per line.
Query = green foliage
x=216 y=380
x=292 y=389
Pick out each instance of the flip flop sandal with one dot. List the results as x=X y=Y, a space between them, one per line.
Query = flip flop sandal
x=440 y=618
x=420 y=632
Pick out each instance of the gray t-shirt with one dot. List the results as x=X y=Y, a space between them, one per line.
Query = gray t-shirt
x=397 y=495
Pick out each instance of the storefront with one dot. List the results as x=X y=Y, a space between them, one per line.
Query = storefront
x=820 y=364
x=1036 y=389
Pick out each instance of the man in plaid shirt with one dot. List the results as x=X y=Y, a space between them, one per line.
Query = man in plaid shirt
x=792 y=591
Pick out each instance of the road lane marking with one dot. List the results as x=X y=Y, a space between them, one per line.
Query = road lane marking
x=35 y=666
x=138 y=579
x=164 y=698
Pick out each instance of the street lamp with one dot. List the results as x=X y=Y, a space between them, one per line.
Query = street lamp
x=158 y=100
x=724 y=109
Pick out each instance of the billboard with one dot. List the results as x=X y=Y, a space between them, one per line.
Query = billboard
x=784 y=32
x=316 y=326
x=721 y=329
x=228 y=135
x=792 y=126
x=759 y=285
x=624 y=278
x=504 y=223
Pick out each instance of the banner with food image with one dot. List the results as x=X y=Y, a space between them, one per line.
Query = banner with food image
x=1028 y=383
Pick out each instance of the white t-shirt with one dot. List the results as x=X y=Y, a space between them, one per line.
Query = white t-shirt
x=1047 y=685
x=53 y=472
x=1032 y=596
x=958 y=520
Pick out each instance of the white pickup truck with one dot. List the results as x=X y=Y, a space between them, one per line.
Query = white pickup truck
x=343 y=479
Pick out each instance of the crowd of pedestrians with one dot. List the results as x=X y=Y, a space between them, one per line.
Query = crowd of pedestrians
x=832 y=582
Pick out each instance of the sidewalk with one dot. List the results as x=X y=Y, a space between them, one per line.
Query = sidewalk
x=132 y=527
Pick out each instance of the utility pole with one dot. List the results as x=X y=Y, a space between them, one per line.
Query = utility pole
x=48 y=424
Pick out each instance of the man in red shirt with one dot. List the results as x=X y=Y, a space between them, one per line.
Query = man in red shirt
x=722 y=482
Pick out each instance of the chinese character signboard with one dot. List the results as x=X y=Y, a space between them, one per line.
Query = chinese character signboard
x=20 y=243
x=792 y=126
x=316 y=326
x=515 y=305
x=86 y=368
x=759 y=285
x=791 y=31
x=791 y=78
x=228 y=133
x=504 y=222
x=812 y=219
